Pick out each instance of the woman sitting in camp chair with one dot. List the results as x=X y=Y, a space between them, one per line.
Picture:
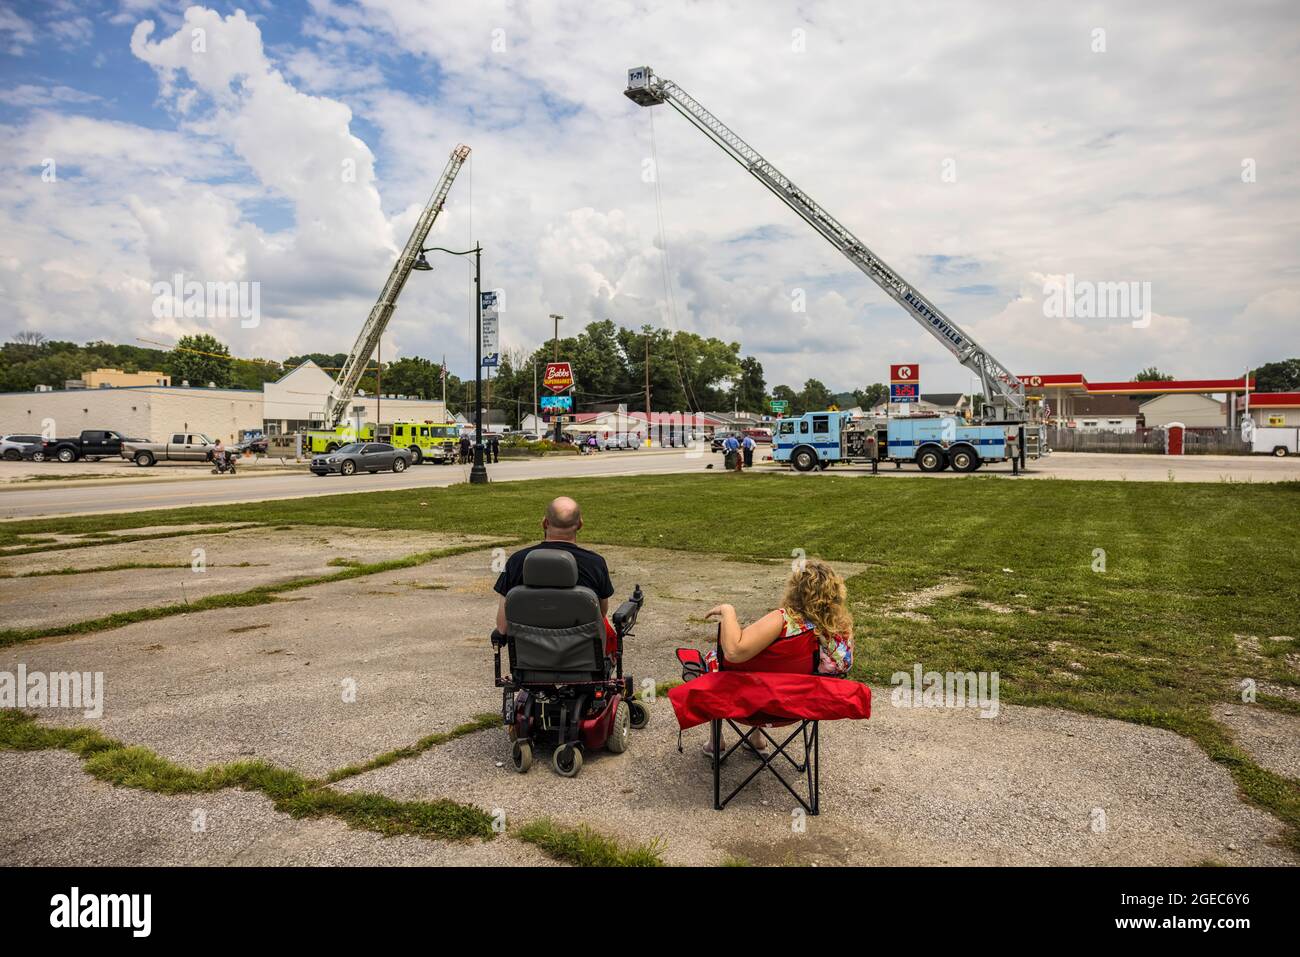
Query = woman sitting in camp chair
x=815 y=602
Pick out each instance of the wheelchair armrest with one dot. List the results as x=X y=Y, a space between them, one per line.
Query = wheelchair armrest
x=625 y=616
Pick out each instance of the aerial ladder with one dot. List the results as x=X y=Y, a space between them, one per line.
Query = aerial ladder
x=345 y=386
x=1004 y=393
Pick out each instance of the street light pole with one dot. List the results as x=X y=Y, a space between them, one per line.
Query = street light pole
x=478 y=474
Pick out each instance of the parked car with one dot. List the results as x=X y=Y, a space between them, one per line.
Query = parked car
x=13 y=446
x=183 y=447
x=91 y=445
x=255 y=446
x=715 y=444
x=362 y=456
x=760 y=436
x=618 y=440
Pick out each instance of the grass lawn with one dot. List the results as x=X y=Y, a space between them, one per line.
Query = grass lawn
x=1197 y=577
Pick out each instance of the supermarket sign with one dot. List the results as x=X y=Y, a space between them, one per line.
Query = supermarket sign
x=559 y=376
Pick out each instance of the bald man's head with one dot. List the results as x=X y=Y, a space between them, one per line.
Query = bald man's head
x=563 y=519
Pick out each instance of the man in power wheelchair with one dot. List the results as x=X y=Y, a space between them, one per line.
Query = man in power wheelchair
x=565 y=688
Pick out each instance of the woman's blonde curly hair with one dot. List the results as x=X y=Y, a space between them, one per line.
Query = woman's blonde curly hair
x=818 y=595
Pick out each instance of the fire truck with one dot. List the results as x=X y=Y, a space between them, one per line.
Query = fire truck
x=1005 y=427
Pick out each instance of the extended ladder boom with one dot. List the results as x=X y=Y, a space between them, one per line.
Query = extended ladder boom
x=345 y=387
x=1003 y=390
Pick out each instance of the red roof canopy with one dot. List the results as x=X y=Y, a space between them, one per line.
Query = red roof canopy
x=1271 y=400
x=1076 y=380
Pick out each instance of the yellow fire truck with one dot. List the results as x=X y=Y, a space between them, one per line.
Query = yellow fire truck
x=427 y=441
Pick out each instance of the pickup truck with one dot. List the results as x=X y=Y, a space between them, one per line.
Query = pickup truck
x=92 y=444
x=183 y=447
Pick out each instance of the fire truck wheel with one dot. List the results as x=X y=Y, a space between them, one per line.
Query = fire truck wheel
x=963 y=459
x=931 y=459
x=804 y=460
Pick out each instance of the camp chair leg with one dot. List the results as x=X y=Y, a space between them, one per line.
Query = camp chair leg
x=715 y=730
x=807 y=730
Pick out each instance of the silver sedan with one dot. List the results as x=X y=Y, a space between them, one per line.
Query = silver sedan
x=370 y=457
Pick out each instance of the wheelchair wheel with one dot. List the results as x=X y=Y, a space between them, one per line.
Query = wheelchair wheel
x=640 y=715
x=619 y=733
x=567 y=760
x=521 y=756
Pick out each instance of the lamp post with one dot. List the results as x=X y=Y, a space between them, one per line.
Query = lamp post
x=478 y=473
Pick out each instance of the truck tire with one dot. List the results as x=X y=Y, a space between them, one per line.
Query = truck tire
x=416 y=455
x=144 y=459
x=930 y=458
x=963 y=458
x=1280 y=451
x=331 y=448
x=804 y=459
x=66 y=455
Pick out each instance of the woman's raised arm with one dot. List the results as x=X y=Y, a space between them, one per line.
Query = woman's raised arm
x=742 y=644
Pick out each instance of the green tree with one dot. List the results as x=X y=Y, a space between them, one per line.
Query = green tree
x=201 y=359
x=871 y=396
x=1283 y=376
x=751 y=389
x=815 y=396
x=794 y=403
x=1152 y=374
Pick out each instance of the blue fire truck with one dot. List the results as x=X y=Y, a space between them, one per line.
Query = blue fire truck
x=934 y=442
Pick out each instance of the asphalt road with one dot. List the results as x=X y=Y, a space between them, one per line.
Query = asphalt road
x=102 y=495
x=121 y=489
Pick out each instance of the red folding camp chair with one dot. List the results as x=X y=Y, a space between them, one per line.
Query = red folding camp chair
x=776 y=689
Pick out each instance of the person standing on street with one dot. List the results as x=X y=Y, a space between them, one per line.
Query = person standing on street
x=748 y=445
x=494 y=448
x=731 y=452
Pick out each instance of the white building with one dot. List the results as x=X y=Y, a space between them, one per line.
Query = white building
x=1106 y=413
x=1193 y=409
x=139 y=412
x=296 y=401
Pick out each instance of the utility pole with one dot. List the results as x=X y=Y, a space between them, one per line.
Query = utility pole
x=647 y=387
x=444 y=388
x=536 y=421
x=379 y=384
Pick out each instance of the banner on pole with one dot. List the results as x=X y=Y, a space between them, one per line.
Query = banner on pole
x=491 y=326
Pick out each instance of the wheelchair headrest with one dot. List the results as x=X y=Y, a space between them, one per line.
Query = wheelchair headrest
x=550 y=568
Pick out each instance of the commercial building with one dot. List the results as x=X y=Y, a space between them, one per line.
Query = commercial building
x=139 y=412
x=294 y=402
x=1062 y=393
x=1271 y=409
x=117 y=379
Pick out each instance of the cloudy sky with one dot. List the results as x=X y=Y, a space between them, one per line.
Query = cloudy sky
x=984 y=150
